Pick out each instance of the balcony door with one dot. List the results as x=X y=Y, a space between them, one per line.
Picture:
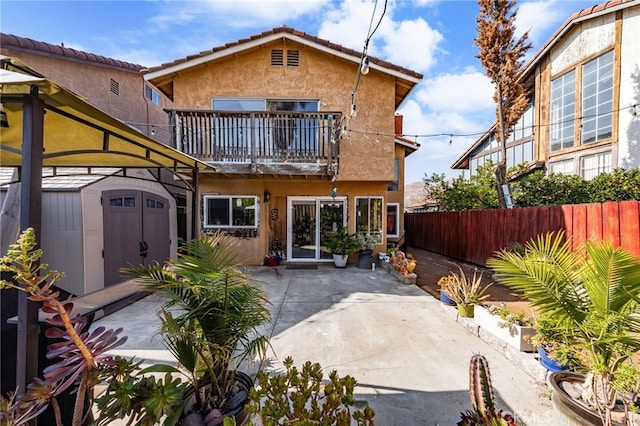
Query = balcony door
x=309 y=222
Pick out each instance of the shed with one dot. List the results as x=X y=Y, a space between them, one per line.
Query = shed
x=94 y=224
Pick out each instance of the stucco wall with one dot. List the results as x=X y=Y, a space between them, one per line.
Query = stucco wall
x=253 y=250
x=318 y=76
x=93 y=83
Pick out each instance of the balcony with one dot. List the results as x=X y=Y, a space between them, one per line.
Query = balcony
x=260 y=142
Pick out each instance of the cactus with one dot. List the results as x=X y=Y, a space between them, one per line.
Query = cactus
x=484 y=411
x=480 y=389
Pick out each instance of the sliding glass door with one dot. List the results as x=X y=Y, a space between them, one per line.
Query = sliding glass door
x=309 y=222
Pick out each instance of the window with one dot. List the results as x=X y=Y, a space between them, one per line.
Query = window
x=564 y=167
x=369 y=216
x=152 y=94
x=114 y=86
x=224 y=211
x=593 y=165
x=524 y=126
x=393 y=186
x=393 y=220
x=563 y=111
x=597 y=98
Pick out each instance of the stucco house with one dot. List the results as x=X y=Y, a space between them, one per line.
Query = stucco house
x=302 y=137
x=584 y=116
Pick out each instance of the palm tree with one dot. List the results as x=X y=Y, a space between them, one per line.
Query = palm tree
x=592 y=294
x=211 y=319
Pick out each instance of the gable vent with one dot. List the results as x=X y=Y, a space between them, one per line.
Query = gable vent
x=293 y=58
x=277 y=58
x=115 y=87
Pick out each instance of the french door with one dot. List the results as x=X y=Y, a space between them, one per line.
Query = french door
x=309 y=222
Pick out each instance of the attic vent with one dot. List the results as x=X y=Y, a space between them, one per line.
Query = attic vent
x=115 y=87
x=293 y=58
x=277 y=58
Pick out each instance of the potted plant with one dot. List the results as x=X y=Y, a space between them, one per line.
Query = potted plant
x=366 y=244
x=555 y=351
x=210 y=324
x=592 y=296
x=467 y=292
x=514 y=328
x=341 y=244
x=445 y=287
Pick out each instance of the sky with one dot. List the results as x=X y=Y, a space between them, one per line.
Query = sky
x=432 y=37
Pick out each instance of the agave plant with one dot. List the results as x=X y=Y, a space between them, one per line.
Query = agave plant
x=211 y=318
x=592 y=294
x=80 y=354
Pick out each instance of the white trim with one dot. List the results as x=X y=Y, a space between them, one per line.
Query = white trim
x=397 y=234
x=317 y=200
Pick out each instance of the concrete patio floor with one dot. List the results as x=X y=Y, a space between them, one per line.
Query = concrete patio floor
x=409 y=357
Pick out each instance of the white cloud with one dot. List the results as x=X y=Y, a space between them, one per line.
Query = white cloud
x=469 y=91
x=349 y=23
x=411 y=43
x=252 y=13
x=542 y=18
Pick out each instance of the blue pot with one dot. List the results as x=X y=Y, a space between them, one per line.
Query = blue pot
x=548 y=363
x=444 y=298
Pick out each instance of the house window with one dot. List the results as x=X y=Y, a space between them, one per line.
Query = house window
x=393 y=186
x=597 y=98
x=563 y=111
x=369 y=216
x=594 y=165
x=230 y=211
x=564 y=167
x=524 y=126
x=114 y=87
x=393 y=220
x=152 y=94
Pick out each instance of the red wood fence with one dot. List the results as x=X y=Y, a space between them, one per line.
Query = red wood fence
x=475 y=235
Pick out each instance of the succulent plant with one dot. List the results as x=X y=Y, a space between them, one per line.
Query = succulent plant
x=482 y=398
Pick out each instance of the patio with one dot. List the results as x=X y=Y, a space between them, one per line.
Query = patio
x=408 y=355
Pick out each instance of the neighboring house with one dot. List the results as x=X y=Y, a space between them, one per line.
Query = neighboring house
x=584 y=116
x=421 y=206
x=273 y=114
x=116 y=87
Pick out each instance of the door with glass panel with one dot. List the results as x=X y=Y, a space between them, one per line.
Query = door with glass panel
x=309 y=222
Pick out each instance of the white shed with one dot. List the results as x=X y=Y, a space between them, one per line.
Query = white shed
x=95 y=224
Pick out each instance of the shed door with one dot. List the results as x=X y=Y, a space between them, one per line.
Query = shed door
x=136 y=231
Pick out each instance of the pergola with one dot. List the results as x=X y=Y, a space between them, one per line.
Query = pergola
x=46 y=125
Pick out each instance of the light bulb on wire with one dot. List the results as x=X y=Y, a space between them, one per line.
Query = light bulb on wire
x=364 y=69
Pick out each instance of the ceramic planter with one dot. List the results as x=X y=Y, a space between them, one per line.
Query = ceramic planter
x=466 y=310
x=515 y=335
x=444 y=298
x=549 y=363
x=340 y=260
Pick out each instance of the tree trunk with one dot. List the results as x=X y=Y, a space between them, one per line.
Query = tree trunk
x=501 y=168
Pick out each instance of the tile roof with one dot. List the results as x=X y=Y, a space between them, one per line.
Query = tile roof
x=288 y=31
x=14 y=42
